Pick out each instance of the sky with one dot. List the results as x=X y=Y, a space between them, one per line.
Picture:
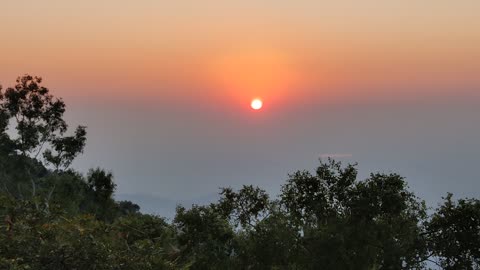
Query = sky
x=165 y=86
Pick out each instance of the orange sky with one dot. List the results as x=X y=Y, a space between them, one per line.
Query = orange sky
x=242 y=49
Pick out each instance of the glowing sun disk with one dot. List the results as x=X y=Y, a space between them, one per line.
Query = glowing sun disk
x=256 y=104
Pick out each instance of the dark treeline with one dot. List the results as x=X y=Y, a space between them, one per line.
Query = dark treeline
x=54 y=217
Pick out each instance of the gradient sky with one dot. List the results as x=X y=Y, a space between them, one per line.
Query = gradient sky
x=164 y=88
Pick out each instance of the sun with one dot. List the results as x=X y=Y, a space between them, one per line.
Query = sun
x=256 y=104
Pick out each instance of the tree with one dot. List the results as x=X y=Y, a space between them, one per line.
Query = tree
x=128 y=208
x=44 y=240
x=351 y=224
x=246 y=207
x=387 y=219
x=312 y=199
x=38 y=120
x=102 y=186
x=66 y=149
x=150 y=242
x=205 y=238
x=454 y=234
x=101 y=182
x=6 y=145
x=272 y=243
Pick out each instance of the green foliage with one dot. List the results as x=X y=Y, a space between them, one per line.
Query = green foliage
x=43 y=239
x=17 y=173
x=204 y=236
x=128 y=208
x=312 y=200
x=454 y=232
x=38 y=119
x=101 y=183
x=355 y=224
x=102 y=187
x=147 y=241
x=66 y=148
x=67 y=189
x=245 y=208
x=35 y=121
x=392 y=217
x=273 y=243
x=74 y=223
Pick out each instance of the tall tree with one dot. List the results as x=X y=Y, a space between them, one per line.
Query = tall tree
x=38 y=120
x=205 y=238
x=351 y=224
x=39 y=131
x=246 y=207
x=101 y=184
x=454 y=234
